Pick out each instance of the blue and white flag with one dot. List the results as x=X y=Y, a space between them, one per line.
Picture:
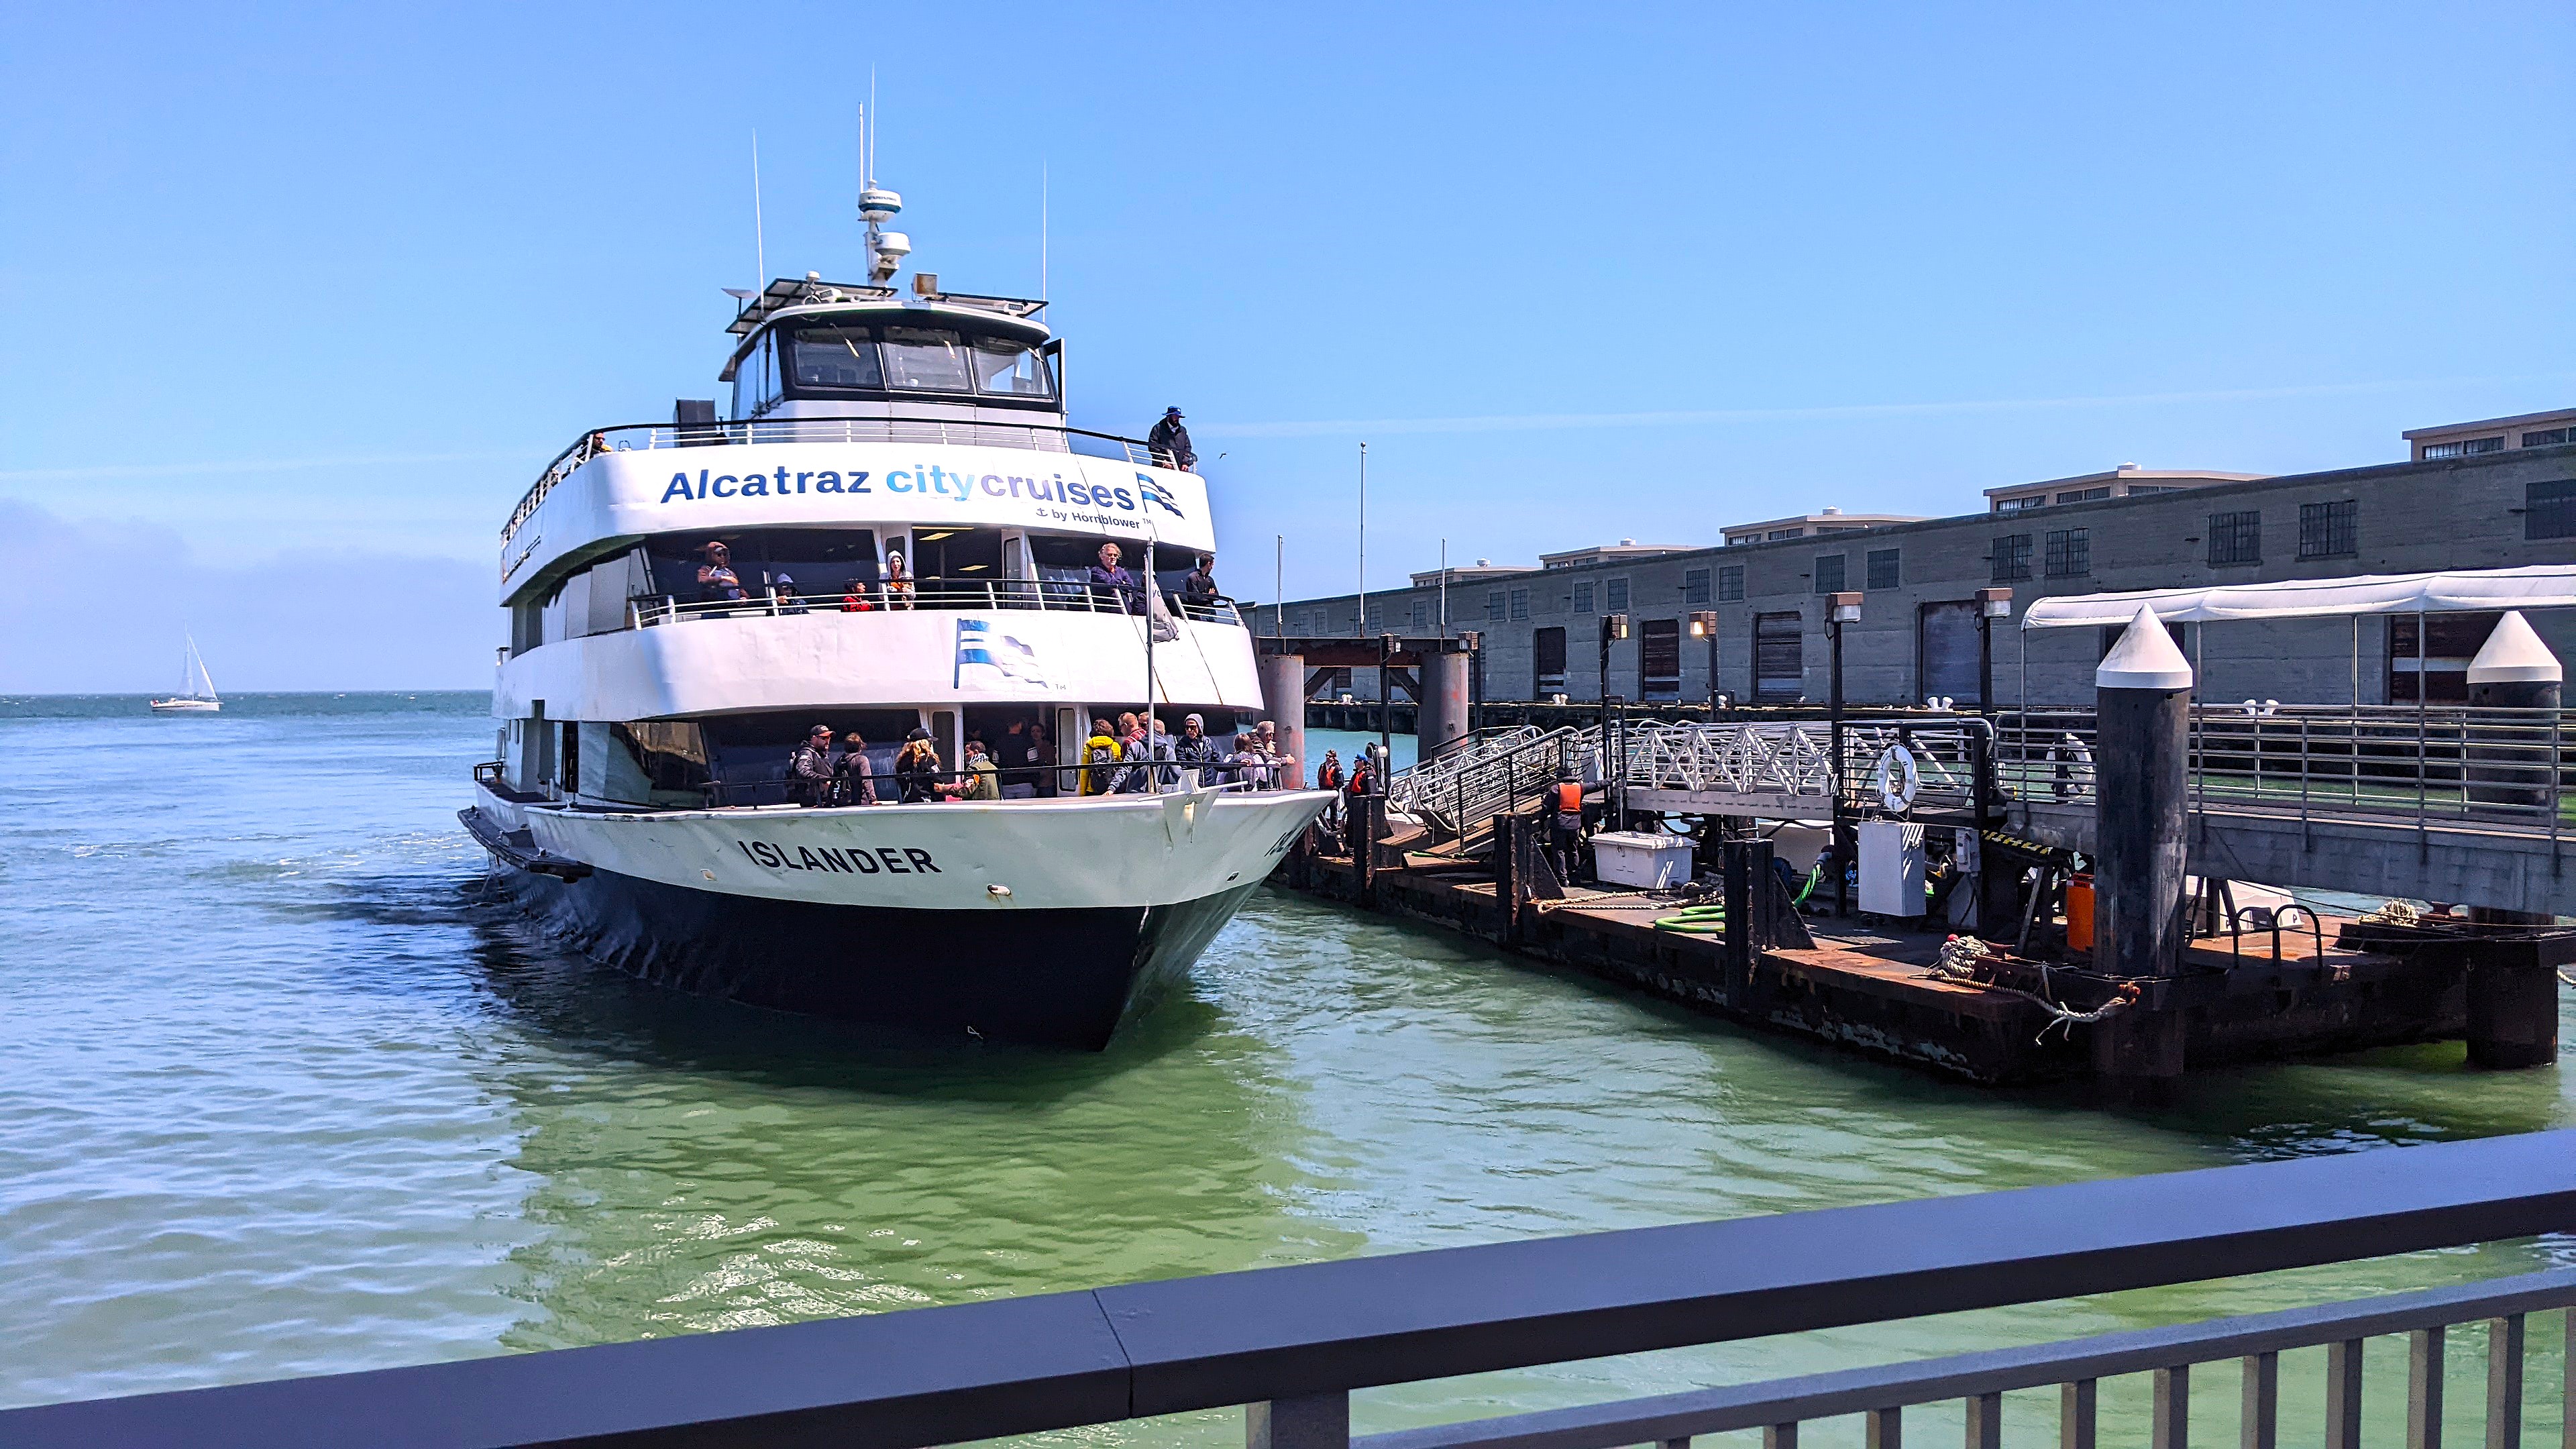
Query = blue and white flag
x=999 y=658
x=1155 y=493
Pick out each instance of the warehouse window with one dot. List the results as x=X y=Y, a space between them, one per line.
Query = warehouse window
x=1615 y=595
x=2464 y=448
x=2549 y=509
x=2330 y=530
x=1883 y=570
x=1421 y=615
x=1694 y=586
x=2548 y=437
x=1730 y=583
x=2011 y=557
x=1520 y=603
x=1583 y=598
x=2236 y=538
x=2084 y=495
x=1494 y=607
x=1829 y=573
x=2070 y=553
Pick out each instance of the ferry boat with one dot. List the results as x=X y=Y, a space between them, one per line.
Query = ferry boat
x=889 y=532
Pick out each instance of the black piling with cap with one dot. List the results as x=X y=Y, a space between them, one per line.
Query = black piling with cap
x=2140 y=764
x=2512 y=766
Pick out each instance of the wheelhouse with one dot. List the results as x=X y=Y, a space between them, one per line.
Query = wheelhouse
x=810 y=349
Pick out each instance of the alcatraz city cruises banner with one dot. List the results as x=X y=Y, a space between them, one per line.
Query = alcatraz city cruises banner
x=675 y=490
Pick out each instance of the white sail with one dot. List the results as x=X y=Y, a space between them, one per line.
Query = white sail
x=196 y=686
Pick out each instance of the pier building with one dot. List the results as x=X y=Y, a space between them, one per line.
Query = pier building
x=1918 y=581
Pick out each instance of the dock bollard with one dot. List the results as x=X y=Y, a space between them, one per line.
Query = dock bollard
x=2512 y=990
x=2140 y=760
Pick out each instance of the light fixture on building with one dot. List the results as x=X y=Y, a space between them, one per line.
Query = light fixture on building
x=1994 y=603
x=1614 y=626
x=1703 y=623
x=1844 y=608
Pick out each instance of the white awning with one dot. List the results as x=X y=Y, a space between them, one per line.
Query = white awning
x=2541 y=586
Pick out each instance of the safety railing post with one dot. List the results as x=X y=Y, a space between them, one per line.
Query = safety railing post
x=2258 y=1416
x=2424 y=1389
x=2343 y=1394
x=2171 y=1418
x=2504 y=1382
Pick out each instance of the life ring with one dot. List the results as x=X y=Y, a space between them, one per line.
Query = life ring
x=1896 y=779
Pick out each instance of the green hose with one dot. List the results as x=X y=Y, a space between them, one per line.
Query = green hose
x=1700 y=920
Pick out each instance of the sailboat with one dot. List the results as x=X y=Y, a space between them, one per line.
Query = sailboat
x=196 y=687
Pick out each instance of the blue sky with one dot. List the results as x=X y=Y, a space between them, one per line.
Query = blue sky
x=299 y=300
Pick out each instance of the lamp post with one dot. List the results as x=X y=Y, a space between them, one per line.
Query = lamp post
x=1703 y=625
x=1840 y=609
x=1613 y=760
x=1992 y=604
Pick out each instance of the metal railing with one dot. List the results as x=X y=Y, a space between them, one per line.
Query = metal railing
x=649 y=610
x=1291 y=1344
x=1160 y=776
x=2497 y=769
x=630 y=437
x=1464 y=791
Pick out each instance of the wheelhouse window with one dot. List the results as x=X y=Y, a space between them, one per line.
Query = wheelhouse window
x=1004 y=368
x=835 y=357
x=926 y=359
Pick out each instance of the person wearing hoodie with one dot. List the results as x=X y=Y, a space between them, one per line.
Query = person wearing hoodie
x=1100 y=755
x=1197 y=753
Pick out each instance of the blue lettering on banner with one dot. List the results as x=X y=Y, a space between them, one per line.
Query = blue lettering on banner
x=1148 y=493
x=903 y=487
x=721 y=491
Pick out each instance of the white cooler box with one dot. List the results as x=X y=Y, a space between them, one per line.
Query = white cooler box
x=1891 y=868
x=1637 y=858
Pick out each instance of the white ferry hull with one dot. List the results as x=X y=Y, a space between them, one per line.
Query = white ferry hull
x=1038 y=922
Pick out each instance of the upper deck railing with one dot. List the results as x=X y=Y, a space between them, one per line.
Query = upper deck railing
x=1292 y=1343
x=651 y=610
x=633 y=437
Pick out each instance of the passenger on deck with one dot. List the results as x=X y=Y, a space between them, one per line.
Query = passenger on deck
x=784 y=592
x=854 y=597
x=1198 y=586
x=1278 y=771
x=1172 y=439
x=717 y=582
x=1019 y=757
x=856 y=782
x=916 y=768
x=1197 y=753
x=898 y=581
x=1114 y=587
x=1328 y=776
x=982 y=781
x=1099 y=758
x=809 y=768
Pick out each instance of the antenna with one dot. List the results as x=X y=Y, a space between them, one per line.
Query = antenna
x=759 y=236
x=886 y=249
x=1042 y=231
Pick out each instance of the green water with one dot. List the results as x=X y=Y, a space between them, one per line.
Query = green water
x=288 y=1095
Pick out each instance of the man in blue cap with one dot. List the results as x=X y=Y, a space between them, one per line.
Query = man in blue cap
x=1172 y=440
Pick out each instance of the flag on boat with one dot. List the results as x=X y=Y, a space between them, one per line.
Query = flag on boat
x=1158 y=615
x=1004 y=659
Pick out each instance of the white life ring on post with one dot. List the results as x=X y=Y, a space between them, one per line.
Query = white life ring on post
x=1896 y=779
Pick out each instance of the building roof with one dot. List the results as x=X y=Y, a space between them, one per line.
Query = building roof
x=1827 y=518
x=2130 y=473
x=1459 y=573
x=2482 y=424
x=1599 y=553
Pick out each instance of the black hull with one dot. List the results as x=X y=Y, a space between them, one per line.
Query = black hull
x=1058 y=978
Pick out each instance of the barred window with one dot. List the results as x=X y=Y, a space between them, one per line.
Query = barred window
x=1421 y=614
x=1883 y=570
x=2070 y=553
x=1377 y=618
x=2011 y=557
x=1520 y=603
x=1494 y=607
x=2236 y=538
x=1829 y=573
x=1730 y=583
x=2330 y=530
x=2549 y=509
x=1694 y=586
x=1583 y=597
x=1615 y=595
x=2464 y=448
x=2548 y=437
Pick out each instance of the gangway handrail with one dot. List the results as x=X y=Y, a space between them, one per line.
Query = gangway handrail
x=1292 y=1343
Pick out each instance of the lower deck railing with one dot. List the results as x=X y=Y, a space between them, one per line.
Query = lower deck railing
x=1292 y=1344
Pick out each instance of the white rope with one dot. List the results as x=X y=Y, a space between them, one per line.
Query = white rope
x=1962 y=955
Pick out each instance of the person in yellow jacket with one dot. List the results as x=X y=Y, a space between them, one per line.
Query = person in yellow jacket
x=1099 y=752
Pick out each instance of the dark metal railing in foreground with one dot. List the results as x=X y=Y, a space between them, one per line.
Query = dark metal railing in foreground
x=1291 y=1344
